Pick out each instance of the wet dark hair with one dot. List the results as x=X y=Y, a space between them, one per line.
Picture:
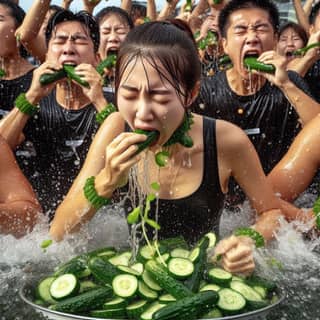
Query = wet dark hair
x=82 y=17
x=55 y=8
x=161 y=43
x=18 y=14
x=297 y=28
x=235 y=5
x=314 y=13
x=112 y=10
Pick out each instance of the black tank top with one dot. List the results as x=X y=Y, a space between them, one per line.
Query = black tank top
x=198 y=213
x=10 y=89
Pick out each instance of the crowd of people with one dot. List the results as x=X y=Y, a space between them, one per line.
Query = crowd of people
x=67 y=131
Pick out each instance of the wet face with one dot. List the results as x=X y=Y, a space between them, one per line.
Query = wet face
x=289 y=41
x=70 y=43
x=249 y=33
x=149 y=102
x=113 y=31
x=7 y=30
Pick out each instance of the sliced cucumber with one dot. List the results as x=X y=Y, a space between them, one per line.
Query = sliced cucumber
x=125 y=285
x=64 y=286
x=87 y=285
x=146 y=253
x=109 y=314
x=212 y=287
x=146 y=277
x=220 y=276
x=43 y=290
x=147 y=315
x=163 y=258
x=121 y=259
x=128 y=270
x=179 y=253
x=262 y=291
x=145 y=292
x=230 y=301
x=212 y=239
x=180 y=268
x=249 y=293
x=116 y=303
x=167 y=298
x=135 y=309
x=138 y=267
x=214 y=313
x=194 y=255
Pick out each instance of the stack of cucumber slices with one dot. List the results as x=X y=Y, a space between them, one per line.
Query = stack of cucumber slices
x=167 y=280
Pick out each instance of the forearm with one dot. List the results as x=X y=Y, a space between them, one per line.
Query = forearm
x=307 y=7
x=151 y=10
x=66 y=4
x=76 y=209
x=167 y=10
x=267 y=223
x=306 y=107
x=126 y=5
x=18 y=218
x=301 y=15
x=303 y=64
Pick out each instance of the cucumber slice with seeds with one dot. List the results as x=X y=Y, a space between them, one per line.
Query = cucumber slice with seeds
x=138 y=267
x=179 y=253
x=116 y=303
x=180 y=268
x=209 y=287
x=125 y=285
x=220 y=276
x=64 y=286
x=146 y=277
x=230 y=301
x=128 y=270
x=121 y=259
x=167 y=298
x=145 y=292
x=43 y=290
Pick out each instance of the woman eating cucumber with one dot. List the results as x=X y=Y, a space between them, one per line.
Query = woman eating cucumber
x=157 y=78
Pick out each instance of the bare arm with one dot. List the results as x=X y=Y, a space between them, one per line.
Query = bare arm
x=294 y=173
x=19 y=207
x=29 y=32
x=307 y=7
x=301 y=15
x=196 y=17
x=168 y=9
x=126 y=5
x=66 y=4
x=89 y=5
x=151 y=10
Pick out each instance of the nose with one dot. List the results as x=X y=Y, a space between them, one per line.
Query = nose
x=68 y=48
x=113 y=36
x=144 y=111
x=252 y=37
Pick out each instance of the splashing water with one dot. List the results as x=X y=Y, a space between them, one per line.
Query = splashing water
x=290 y=260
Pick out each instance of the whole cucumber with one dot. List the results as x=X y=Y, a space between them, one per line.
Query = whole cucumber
x=253 y=64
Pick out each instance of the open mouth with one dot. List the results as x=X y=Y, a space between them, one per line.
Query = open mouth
x=289 y=54
x=112 y=51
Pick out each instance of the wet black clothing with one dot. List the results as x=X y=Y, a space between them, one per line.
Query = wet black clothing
x=56 y=145
x=10 y=89
x=198 y=213
x=267 y=116
x=313 y=80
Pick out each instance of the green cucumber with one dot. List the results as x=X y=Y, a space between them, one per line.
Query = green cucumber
x=146 y=253
x=71 y=74
x=212 y=239
x=125 y=285
x=193 y=283
x=76 y=266
x=125 y=269
x=109 y=314
x=230 y=302
x=180 y=268
x=151 y=137
x=150 y=282
x=43 y=290
x=138 y=267
x=135 y=309
x=179 y=253
x=214 y=313
x=167 y=298
x=116 y=303
x=87 y=285
x=170 y=244
x=167 y=282
x=103 y=271
x=254 y=280
x=108 y=63
x=262 y=291
x=121 y=259
x=148 y=314
x=2 y=73
x=64 y=286
x=189 y=307
x=302 y=51
x=220 y=276
x=48 y=78
x=253 y=64
x=212 y=287
x=146 y=292
x=85 y=301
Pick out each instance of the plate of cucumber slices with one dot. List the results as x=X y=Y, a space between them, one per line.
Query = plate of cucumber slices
x=166 y=280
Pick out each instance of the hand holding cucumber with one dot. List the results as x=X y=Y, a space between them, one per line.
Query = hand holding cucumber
x=236 y=254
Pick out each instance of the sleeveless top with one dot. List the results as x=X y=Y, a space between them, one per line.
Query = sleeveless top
x=198 y=213
x=55 y=147
x=10 y=89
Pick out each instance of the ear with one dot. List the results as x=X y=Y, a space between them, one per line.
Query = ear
x=194 y=93
x=97 y=59
x=224 y=43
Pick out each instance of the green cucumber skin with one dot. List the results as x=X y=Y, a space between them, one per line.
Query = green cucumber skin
x=193 y=283
x=165 y=281
x=253 y=64
x=107 y=63
x=188 y=308
x=84 y=302
x=75 y=266
x=102 y=270
x=151 y=136
x=69 y=70
x=48 y=78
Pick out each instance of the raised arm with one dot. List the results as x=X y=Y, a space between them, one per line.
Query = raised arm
x=19 y=207
x=151 y=10
x=29 y=32
x=168 y=9
x=89 y=5
x=301 y=14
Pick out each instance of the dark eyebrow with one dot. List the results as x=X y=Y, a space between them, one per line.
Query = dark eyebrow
x=129 y=88
x=152 y=91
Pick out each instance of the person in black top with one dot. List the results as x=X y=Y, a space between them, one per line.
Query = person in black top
x=17 y=71
x=58 y=136
x=269 y=107
x=157 y=78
